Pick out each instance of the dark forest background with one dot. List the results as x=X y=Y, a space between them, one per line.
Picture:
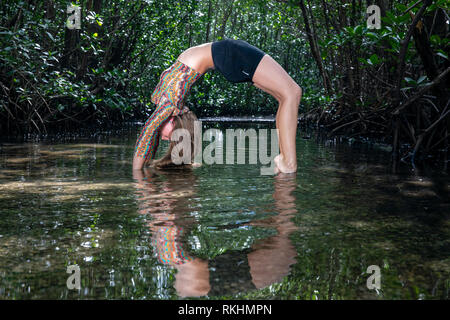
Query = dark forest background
x=389 y=84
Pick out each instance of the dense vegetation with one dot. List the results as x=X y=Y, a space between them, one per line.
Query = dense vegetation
x=389 y=83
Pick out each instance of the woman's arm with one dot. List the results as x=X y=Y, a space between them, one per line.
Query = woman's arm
x=148 y=140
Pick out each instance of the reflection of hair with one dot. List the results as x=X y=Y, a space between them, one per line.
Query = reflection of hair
x=166 y=201
x=183 y=121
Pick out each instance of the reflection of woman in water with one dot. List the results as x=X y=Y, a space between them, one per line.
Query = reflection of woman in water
x=271 y=258
x=267 y=263
x=165 y=202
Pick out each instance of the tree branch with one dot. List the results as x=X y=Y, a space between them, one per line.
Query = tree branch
x=422 y=91
x=404 y=48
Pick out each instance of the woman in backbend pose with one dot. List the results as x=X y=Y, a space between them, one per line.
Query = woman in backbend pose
x=238 y=61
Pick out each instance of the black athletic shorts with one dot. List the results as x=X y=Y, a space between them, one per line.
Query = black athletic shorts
x=236 y=59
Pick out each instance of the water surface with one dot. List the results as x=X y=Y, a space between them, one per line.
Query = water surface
x=221 y=230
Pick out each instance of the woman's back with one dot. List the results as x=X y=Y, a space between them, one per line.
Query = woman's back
x=198 y=58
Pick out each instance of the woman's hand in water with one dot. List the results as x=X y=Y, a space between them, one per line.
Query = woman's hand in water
x=280 y=165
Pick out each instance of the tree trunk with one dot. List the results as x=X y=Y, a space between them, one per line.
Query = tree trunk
x=226 y=15
x=315 y=49
x=427 y=55
x=208 y=25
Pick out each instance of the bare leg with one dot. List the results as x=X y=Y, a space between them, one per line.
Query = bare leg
x=277 y=124
x=273 y=79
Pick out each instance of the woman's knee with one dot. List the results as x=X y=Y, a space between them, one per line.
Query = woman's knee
x=292 y=92
x=297 y=91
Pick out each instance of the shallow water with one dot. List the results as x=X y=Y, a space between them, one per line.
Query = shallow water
x=219 y=230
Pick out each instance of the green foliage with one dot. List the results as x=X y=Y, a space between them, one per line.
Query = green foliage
x=107 y=70
x=50 y=73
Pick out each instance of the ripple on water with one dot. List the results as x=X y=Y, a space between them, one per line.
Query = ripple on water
x=310 y=235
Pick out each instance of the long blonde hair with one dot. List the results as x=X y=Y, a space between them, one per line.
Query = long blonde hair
x=183 y=121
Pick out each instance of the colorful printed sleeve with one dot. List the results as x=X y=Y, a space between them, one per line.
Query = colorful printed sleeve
x=148 y=140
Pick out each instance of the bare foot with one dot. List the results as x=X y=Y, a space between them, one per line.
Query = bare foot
x=276 y=170
x=281 y=166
